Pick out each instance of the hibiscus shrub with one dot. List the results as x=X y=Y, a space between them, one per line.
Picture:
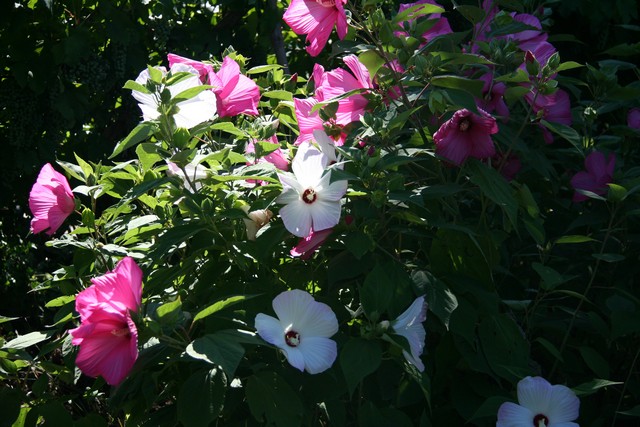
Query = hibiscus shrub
x=438 y=224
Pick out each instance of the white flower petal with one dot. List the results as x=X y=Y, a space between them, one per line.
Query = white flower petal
x=416 y=313
x=296 y=217
x=294 y=357
x=564 y=406
x=325 y=214
x=334 y=191
x=291 y=306
x=512 y=415
x=270 y=329
x=319 y=353
x=196 y=110
x=318 y=320
x=534 y=393
x=308 y=165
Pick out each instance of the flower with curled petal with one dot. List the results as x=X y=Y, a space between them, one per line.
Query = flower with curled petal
x=409 y=325
x=50 y=200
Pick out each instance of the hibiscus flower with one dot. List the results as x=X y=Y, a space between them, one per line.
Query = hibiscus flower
x=316 y=19
x=598 y=173
x=50 y=200
x=466 y=135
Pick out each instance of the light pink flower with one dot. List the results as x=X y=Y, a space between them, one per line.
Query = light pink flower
x=441 y=26
x=599 y=173
x=312 y=200
x=302 y=331
x=633 y=118
x=107 y=336
x=338 y=82
x=466 y=135
x=50 y=200
x=316 y=19
x=236 y=93
x=409 y=325
x=540 y=404
x=308 y=245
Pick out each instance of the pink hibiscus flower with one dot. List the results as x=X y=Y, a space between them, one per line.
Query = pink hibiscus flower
x=50 y=200
x=466 y=135
x=338 y=82
x=107 y=336
x=599 y=172
x=316 y=19
x=236 y=93
x=493 y=99
x=202 y=68
x=309 y=121
x=552 y=108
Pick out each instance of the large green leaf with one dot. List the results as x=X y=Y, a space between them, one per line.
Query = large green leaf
x=272 y=401
x=358 y=358
x=218 y=349
x=201 y=398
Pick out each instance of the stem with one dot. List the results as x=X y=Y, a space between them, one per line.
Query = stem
x=624 y=387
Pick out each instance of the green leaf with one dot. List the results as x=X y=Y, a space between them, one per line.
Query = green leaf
x=169 y=312
x=550 y=277
x=495 y=187
x=590 y=387
x=568 y=66
x=358 y=358
x=190 y=93
x=565 y=132
x=227 y=127
x=279 y=94
x=472 y=14
x=4 y=319
x=130 y=84
x=218 y=349
x=372 y=61
x=472 y=86
x=201 y=398
x=505 y=349
x=376 y=293
x=595 y=361
x=140 y=133
x=60 y=301
x=27 y=340
x=574 y=239
x=272 y=401
x=221 y=305
x=633 y=412
x=550 y=347
x=609 y=257
x=414 y=12
x=441 y=301
x=359 y=243
x=263 y=69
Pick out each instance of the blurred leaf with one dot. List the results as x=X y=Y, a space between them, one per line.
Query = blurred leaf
x=272 y=401
x=27 y=340
x=441 y=301
x=358 y=358
x=504 y=347
x=201 y=398
x=416 y=11
x=376 y=293
x=474 y=87
x=220 y=305
x=585 y=389
x=472 y=14
x=495 y=187
x=574 y=239
x=169 y=312
x=140 y=133
x=550 y=347
x=358 y=243
x=550 y=277
x=595 y=361
x=609 y=257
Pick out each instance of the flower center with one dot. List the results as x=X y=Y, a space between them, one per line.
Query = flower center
x=309 y=196
x=292 y=338
x=122 y=332
x=540 y=420
x=465 y=124
x=326 y=3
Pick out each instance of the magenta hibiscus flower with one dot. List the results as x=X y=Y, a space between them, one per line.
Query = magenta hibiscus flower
x=107 y=336
x=316 y=19
x=599 y=172
x=466 y=135
x=50 y=200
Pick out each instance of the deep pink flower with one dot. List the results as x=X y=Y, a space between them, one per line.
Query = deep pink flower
x=441 y=27
x=338 y=82
x=466 y=135
x=308 y=245
x=316 y=19
x=493 y=97
x=599 y=173
x=508 y=167
x=309 y=121
x=236 y=93
x=51 y=201
x=554 y=108
x=633 y=118
x=107 y=336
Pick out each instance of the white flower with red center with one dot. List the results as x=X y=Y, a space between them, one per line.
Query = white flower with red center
x=409 y=325
x=302 y=330
x=312 y=200
x=540 y=405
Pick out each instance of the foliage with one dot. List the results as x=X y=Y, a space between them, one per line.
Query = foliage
x=519 y=279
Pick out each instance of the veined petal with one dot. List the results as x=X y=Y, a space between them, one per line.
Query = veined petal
x=291 y=306
x=296 y=217
x=128 y=285
x=334 y=191
x=325 y=214
x=196 y=110
x=294 y=357
x=512 y=415
x=318 y=320
x=270 y=329
x=534 y=393
x=564 y=405
x=319 y=353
